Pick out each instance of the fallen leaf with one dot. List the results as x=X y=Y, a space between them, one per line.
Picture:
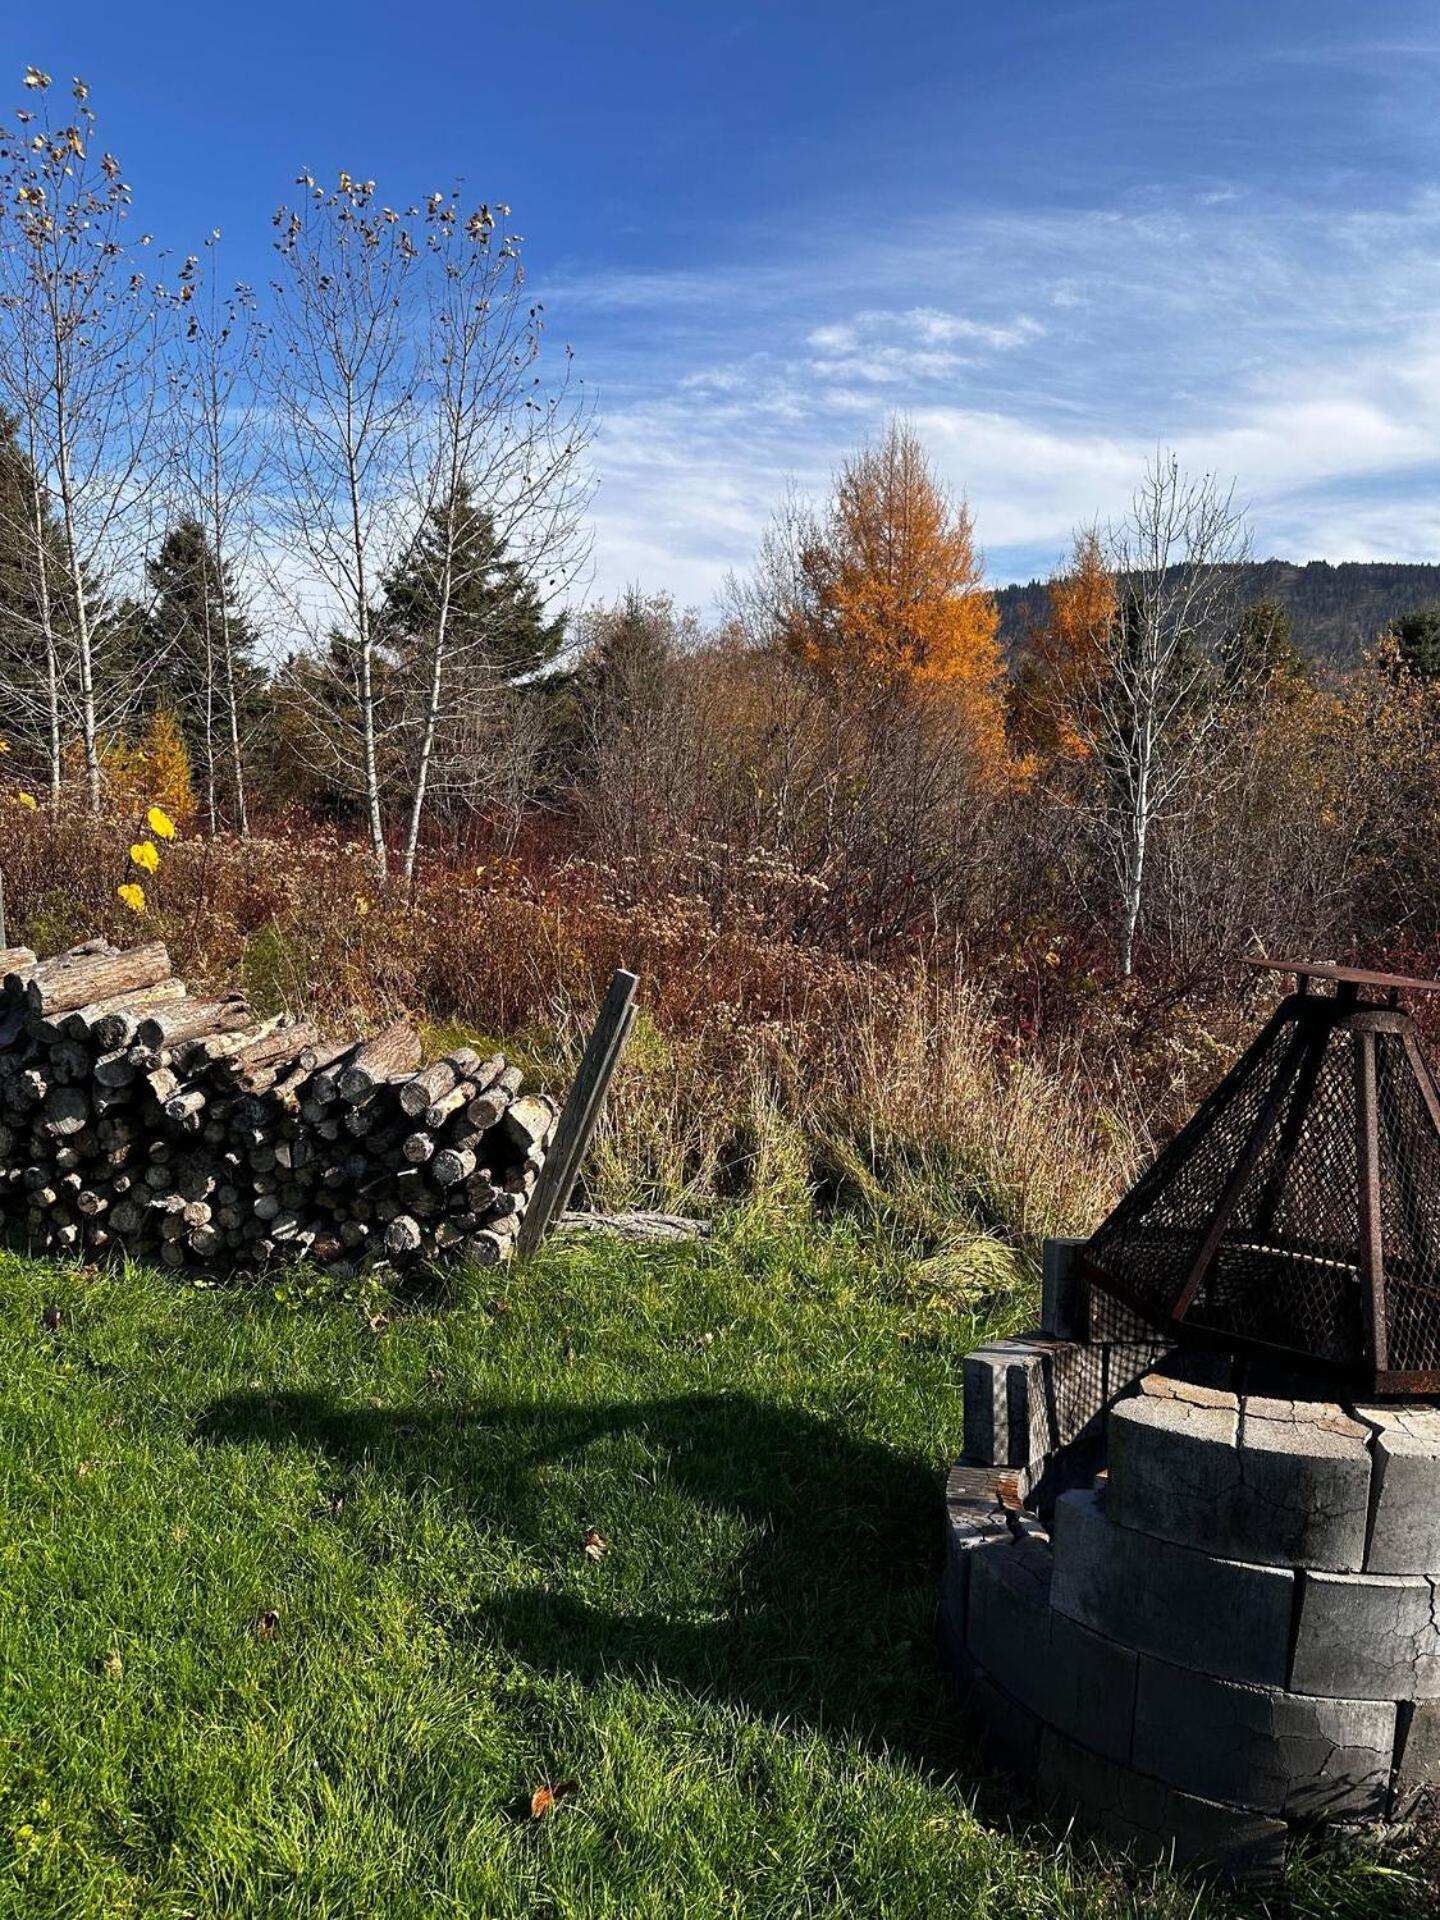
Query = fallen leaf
x=114 y=1665
x=596 y=1545
x=545 y=1798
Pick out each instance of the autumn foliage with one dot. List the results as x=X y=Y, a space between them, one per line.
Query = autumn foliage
x=1065 y=657
x=153 y=769
x=892 y=589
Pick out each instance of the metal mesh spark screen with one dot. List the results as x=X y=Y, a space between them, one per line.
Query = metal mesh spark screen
x=1298 y=1213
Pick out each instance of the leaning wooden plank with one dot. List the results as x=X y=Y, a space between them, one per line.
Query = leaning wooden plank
x=581 y=1111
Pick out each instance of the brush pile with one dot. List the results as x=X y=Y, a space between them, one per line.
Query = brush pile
x=136 y=1119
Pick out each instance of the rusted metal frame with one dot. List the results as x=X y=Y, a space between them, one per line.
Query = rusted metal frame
x=1421 y=1071
x=1305 y=1083
x=1372 y=1250
x=1265 y=1122
x=1205 y=1117
x=1415 y=1212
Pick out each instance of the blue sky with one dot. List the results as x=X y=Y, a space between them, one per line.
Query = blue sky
x=1054 y=234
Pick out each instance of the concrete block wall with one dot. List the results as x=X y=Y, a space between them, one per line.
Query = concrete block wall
x=1232 y=1634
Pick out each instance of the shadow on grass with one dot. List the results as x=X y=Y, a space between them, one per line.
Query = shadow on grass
x=827 y=1621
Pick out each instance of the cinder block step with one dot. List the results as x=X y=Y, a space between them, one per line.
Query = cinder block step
x=1026 y=1397
x=1368 y=1636
x=1283 y=1753
x=1278 y=1483
x=1156 y=1821
x=975 y=1517
x=1224 y=1617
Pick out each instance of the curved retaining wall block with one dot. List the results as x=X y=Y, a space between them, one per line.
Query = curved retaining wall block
x=1265 y=1480
x=1233 y=1635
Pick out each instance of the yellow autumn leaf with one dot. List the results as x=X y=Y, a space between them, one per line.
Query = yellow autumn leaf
x=160 y=823
x=28 y=800
x=133 y=896
x=145 y=854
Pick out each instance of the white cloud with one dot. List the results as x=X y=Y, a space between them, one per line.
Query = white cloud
x=1288 y=346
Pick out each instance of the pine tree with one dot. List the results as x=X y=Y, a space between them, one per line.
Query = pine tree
x=1066 y=656
x=36 y=650
x=205 y=653
x=886 y=589
x=1261 y=653
x=1417 y=639
x=497 y=619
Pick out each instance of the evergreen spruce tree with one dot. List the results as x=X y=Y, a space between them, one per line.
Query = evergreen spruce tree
x=1261 y=651
x=36 y=637
x=1417 y=636
x=192 y=620
x=497 y=619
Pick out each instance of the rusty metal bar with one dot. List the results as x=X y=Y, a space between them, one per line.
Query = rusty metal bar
x=1264 y=1125
x=1372 y=1250
x=1422 y=1076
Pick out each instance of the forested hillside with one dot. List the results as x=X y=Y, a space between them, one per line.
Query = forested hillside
x=1335 y=610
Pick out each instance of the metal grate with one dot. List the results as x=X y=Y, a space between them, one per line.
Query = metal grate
x=1298 y=1213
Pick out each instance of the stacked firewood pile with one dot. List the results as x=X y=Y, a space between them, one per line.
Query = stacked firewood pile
x=136 y=1118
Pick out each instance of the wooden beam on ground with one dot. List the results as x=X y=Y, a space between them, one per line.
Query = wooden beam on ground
x=581 y=1112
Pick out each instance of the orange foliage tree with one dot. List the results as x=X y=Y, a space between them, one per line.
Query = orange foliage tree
x=888 y=586
x=1066 y=657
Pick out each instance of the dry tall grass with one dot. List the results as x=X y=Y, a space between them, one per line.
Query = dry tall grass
x=763 y=1073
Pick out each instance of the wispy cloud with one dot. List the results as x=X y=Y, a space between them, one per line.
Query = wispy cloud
x=1289 y=346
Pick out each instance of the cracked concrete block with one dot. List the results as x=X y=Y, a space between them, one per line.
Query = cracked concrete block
x=1367 y=1636
x=1064 y=1295
x=1155 y=1821
x=1405 y=1500
x=1278 y=1483
x=1089 y=1688
x=1417 y=1755
x=1225 y=1617
x=1067 y=1676
x=1283 y=1753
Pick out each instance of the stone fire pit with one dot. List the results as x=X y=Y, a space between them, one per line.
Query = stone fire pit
x=1199 y=1611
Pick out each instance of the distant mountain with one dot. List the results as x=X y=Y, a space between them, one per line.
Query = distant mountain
x=1335 y=610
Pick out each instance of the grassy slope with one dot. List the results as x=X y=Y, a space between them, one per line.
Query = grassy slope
x=744 y=1686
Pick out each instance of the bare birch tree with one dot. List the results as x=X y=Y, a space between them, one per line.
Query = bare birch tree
x=79 y=328
x=1153 y=710
x=218 y=467
x=342 y=380
x=498 y=490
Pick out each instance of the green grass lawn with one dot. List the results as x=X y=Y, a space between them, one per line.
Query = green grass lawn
x=743 y=1685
